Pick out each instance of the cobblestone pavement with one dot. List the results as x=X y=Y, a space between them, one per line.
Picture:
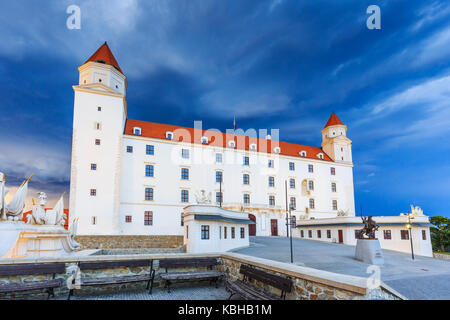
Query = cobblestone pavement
x=423 y=278
x=183 y=293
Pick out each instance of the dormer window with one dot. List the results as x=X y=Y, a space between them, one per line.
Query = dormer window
x=101 y=61
x=204 y=140
x=302 y=153
x=169 y=135
x=320 y=156
x=137 y=131
x=253 y=146
x=277 y=150
x=232 y=144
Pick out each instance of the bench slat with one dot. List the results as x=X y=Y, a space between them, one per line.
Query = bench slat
x=114 y=264
x=191 y=275
x=32 y=268
x=268 y=278
x=249 y=292
x=32 y=285
x=187 y=262
x=114 y=280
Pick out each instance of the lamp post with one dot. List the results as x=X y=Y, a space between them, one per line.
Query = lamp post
x=287 y=217
x=291 y=207
x=410 y=235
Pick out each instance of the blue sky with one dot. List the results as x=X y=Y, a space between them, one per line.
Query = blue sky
x=274 y=64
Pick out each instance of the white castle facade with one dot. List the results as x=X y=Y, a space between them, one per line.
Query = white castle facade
x=131 y=177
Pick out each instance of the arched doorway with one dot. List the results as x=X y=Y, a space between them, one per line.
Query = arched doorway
x=252 y=227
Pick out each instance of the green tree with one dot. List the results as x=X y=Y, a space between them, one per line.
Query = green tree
x=440 y=233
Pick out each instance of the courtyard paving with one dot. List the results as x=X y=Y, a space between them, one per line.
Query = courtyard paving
x=423 y=278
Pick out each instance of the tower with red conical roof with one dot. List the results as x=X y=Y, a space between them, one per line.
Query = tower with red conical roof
x=334 y=140
x=99 y=119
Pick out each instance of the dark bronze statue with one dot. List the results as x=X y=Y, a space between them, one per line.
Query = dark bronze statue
x=369 y=229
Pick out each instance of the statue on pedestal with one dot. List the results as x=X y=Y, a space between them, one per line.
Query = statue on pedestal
x=202 y=198
x=370 y=226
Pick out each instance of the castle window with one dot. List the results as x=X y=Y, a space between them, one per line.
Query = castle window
x=319 y=234
x=218 y=157
x=205 y=232
x=271 y=182
x=329 y=234
x=302 y=233
x=246 y=198
x=182 y=220
x=246 y=161
x=149 y=194
x=292 y=203
x=148 y=218
x=404 y=234
x=271 y=164
x=333 y=171
x=242 y=233
x=302 y=153
x=233 y=233
x=246 y=178
x=333 y=187
x=99 y=108
x=387 y=234
x=130 y=149
x=93 y=166
x=184 y=195
x=357 y=235
x=169 y=135
x=97 y=142
x=99 y=80
x=310 y=168
x=184 y=174
x=231 y=143
x=292 y=183
x=334 y=205
x=204 y=140
x=320 y=155
x=185 y=153
x=94 y=220
x=93 y=192
x=424 y=235
x=149 y=170
x=271 y=200
x=225 y=232
x=311 y=203
x=219 y=176
x=137 y=131
x=98 y=126
x=310 y=233
x=219 y=197
x=277 y=150
x=150 y=150
x=310 y=185
x=128 y=219
x=253 y=146
x=291 y=166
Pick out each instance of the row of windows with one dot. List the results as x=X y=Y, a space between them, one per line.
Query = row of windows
x=319 y=234
x=387 y=234
x=205 y=232
x=150 y=150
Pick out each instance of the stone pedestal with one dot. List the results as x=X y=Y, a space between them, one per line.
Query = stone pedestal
x=369 y=251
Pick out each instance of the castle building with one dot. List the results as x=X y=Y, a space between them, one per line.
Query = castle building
x=133 y=177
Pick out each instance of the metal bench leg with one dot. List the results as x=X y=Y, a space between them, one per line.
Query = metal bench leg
x=150 y=282
x=70 y=294
x=50 y=293
x=232 y=294
x=168 y=286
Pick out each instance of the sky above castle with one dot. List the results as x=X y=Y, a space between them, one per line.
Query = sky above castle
x=273 y=64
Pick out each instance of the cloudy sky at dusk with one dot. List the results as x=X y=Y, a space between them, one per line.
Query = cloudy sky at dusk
x=274 y=64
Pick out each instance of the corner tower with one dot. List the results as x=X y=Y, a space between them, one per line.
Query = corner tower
x=100 y=113
x=335 y=142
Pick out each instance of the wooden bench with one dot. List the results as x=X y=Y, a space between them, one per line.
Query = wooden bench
x=210 y=273
x=32 y=269
x=249 y=292
x=117 y=279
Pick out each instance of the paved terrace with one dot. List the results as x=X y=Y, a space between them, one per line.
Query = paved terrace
x=423 y=278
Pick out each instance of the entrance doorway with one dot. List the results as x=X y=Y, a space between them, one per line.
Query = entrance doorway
x=341 y=236
x=274 y=226
x=252 y=227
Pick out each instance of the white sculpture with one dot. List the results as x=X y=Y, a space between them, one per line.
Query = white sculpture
x=342 y=213
x=72 y=233
x=51 y=217
x=13 y=210
x=416 y=211
x=202 y=198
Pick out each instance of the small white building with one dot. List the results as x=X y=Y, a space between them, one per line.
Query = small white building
x=393 y=232
x=209 y=228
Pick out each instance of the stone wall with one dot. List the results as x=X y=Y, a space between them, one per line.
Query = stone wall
x=129 y=242
x=441 y=256
x=309 y=284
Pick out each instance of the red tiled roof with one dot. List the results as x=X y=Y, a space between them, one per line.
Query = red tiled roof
x=219 y=139
x=333 y=121
x=104 y=54
x=66 y=211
